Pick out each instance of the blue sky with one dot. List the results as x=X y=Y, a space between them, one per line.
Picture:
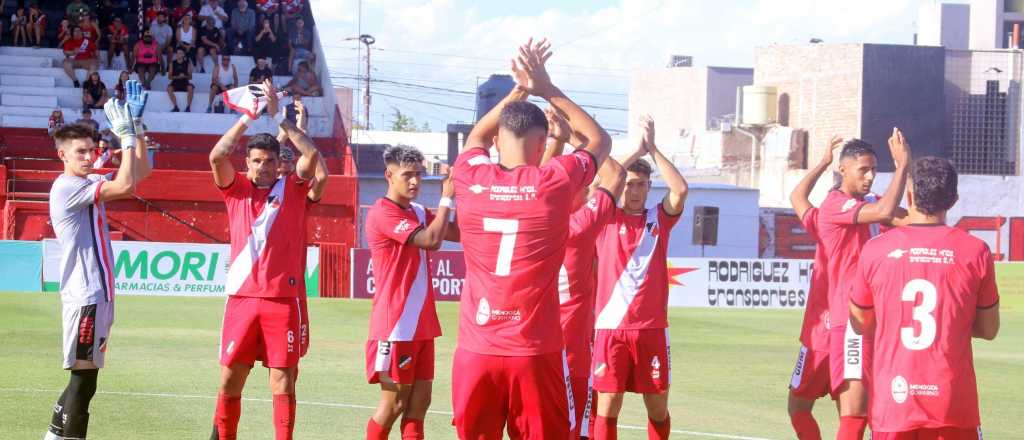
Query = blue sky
x=430 y=53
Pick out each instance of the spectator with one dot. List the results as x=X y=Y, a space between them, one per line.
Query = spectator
x=304 y=82
x=291 y=9
x=180 y=76
x=265 y=42
x=186 y=37
x=56 y=121
x=37 y=25
x=76 y=10
x=107 y=9
x=63 y=32
x=300 y=44
x=269 y=9
x=223 y=71
x=89 y=29
x=184 y=9
x=19 y=26
x=211 y=40
x=107 y=154
x=243 y=25
x=153 y=11
x=260 y=72
x=94 y=92
x=117 y=35
x=88 y=120
x=147 y=59
x=163 y=34
x=122 y=78
x=79 y=53
x=212 y=11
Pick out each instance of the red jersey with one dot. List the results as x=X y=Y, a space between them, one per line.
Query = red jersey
x=153 y=11
x=840 y=238
x=925 y=284
x=514 y=224
x=632 y=274
x=182 y=11
x=118 y=34
x=815 y=332
x=83 y=48
x=403 y=301
x=577 y=280
x=267 y=226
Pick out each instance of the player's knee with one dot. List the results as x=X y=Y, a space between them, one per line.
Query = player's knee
x=82 y=386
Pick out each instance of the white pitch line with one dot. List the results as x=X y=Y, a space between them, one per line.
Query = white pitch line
x=346 y=405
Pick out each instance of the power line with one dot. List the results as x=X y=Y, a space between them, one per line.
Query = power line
x=426 y=102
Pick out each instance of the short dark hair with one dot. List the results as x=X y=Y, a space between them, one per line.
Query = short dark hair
x=520 y=117
x=403 y=155
x=934 y=184
x=87 y=110
x=71 y=132
x=263 y=141
x=641 y=166
x=855 y=148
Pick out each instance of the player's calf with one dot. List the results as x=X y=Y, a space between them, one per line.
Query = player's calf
x=71 y=413
x=659 y=422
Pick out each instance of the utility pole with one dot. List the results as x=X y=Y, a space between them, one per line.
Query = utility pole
x=368 y=40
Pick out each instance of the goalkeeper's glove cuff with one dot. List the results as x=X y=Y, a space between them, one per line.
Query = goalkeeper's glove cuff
x=128 y=141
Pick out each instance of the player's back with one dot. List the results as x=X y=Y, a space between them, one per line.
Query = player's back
x=926 y=284
x=513 y=225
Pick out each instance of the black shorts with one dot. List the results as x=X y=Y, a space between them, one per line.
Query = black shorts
x=146 y=66
x=180 y=85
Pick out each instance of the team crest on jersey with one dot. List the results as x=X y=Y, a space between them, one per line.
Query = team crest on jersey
x=655 y=368
x=849 y=205
x=274 y=201
x=652 y=227
x=402 y=226
x=900 y=389
x=592 y=204
x=483 y=312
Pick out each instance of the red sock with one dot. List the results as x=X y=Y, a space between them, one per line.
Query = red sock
x=284 y=416
x=375 y=431
x=605 y=428
x=805 y=426
x=412 y=429
x=659 y=430
x=225 y=417
x=851 y=427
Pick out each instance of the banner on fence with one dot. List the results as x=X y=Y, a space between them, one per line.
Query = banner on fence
x=185 y=269
x=447 y=272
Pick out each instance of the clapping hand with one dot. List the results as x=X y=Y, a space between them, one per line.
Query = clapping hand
x=528 y=68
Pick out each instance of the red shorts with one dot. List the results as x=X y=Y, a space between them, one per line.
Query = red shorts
x=632 y=360
x=947 y=433
x=583 y=403
x=264 y=329
x=810 y=378
x=849 y=356
x=303 y=325
x=405 y=362
x=529 y=393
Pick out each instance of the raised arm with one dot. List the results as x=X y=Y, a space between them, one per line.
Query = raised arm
x=612 y=177
x=887 y=207
x=677 y=186
x=800 y=197
x=220 y=156
x=434 y=234
x=125 y=119
x=305 y=167
x=483 y=133
x=558 y=134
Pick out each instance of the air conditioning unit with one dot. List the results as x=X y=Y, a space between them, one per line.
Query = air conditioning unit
x=680 y=61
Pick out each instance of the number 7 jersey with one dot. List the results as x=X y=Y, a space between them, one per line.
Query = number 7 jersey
x=925 y=284
x=514 y=224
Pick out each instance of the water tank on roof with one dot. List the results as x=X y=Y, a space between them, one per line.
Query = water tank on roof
x=491 y=92
x=760 y=105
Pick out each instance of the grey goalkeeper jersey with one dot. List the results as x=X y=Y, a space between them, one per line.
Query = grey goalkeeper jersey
x=79 y=219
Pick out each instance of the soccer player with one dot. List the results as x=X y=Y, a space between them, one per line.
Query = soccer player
x=403 y=324
x=262 y=314
x=631 y=346
x=924 y=290
x=810 y=380
x=844 y=225
x=576 y=280
x=79 y=217
x=509 y=365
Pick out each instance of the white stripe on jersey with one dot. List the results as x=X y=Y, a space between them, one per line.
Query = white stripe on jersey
x=99 y=215
x=568 y=391
x=563 y=285
x=409 y=321
x=241 y=268
x=633 y=275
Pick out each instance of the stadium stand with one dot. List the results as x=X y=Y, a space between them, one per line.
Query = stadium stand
x=179 y=203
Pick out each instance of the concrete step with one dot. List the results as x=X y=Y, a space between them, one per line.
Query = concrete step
x=26 y=80
x=24 y=111
x=27 y=61
x=25 y=121
x=32 y=52
x=28 y=100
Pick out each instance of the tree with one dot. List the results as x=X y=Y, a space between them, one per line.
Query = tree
x=402 y=122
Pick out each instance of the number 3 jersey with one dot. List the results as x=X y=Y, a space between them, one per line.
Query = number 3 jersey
x=925 y=284
x=514 y=224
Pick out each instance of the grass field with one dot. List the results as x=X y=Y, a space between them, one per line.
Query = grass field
x=730 y=372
